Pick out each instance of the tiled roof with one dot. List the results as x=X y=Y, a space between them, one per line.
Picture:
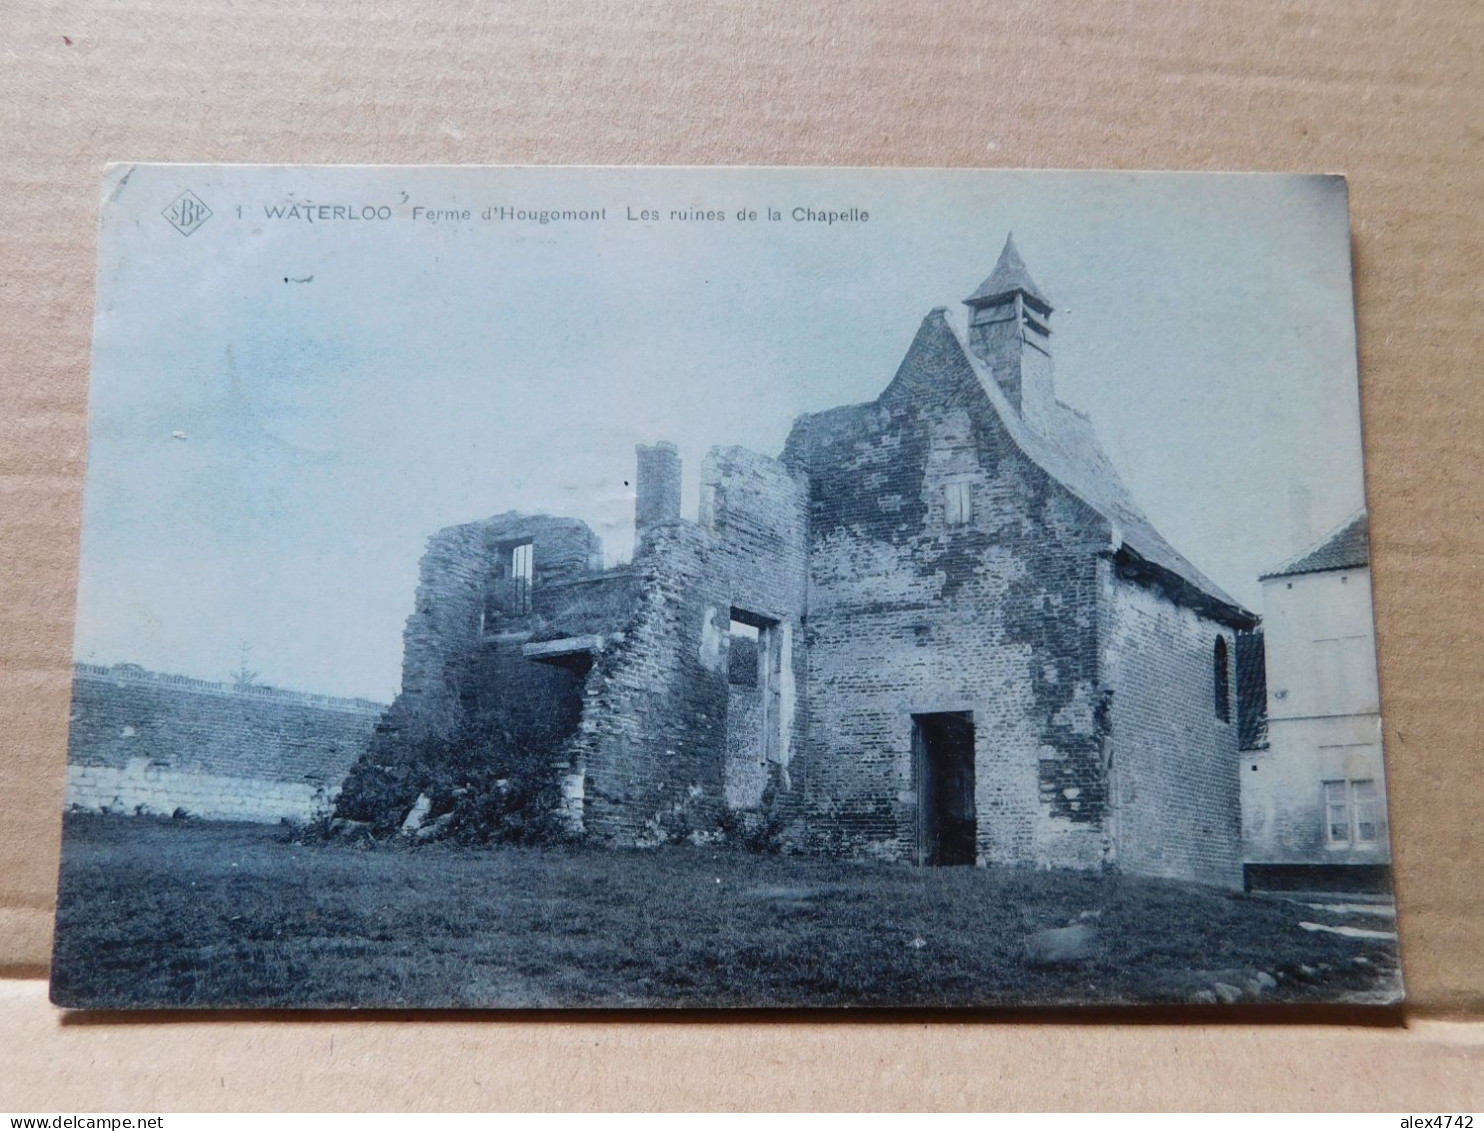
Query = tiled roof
x=1346 y=548
x=1009 y=275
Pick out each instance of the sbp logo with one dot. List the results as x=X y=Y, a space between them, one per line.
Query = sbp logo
x=187 y=212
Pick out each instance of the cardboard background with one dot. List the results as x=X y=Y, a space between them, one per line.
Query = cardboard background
x=1389 y=93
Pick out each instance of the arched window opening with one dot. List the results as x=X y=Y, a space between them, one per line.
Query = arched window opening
x=1223 y=681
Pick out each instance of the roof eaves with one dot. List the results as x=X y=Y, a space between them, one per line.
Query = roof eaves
x=1037 y=448
x=1326 y=554
x=1183 y=591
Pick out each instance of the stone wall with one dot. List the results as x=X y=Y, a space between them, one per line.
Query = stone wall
x=1173 y=759
x=143 y=742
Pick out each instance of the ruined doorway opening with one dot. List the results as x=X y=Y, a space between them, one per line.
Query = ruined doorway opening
x=943 y=761
x=753 y=700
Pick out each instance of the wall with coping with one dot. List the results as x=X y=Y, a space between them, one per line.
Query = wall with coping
x=146 y=742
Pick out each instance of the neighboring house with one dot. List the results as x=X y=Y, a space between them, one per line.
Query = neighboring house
x=936 y=629
x=148 y=743
x=1314 y=801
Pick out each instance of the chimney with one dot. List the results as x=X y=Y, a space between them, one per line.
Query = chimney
x=1009 y=330
x=657 y=487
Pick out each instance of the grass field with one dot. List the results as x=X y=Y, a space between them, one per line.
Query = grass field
x=186 y=914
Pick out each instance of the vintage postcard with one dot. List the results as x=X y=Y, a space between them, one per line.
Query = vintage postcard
x=723 y=588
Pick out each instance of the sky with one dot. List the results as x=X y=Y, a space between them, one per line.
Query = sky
x=287 y=402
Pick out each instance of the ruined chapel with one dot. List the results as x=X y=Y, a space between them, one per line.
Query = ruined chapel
x=936 y=628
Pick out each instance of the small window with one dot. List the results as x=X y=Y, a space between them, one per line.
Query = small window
x=1352 y=812
x=521 y=575
x=1366 y=805
x=958 y=503
x=1221 y=663
x=1336 y=812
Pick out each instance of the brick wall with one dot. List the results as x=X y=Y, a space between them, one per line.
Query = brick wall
x=146 y=742
x=904 y=557
x=747 y=771
x=652 y=736
x=911 y=614
x=1174 y=762
x=462 y=641
x=757 y=511
x=656 y=486
x=640 y=737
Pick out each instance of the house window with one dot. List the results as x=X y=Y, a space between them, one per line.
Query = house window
x=1352 y=812
x=958 y=503
x=1366 y=809
x=1221 y=663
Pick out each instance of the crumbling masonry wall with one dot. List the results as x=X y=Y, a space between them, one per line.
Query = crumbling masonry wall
x=462 y=642
x=652 y=735
x=144 y=742
x=637 y=724
x=757 y=512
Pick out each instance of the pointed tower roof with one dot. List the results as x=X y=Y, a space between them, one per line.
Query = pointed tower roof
x=1009 y=275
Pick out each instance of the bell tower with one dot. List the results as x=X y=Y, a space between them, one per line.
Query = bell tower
x=1010 y=331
